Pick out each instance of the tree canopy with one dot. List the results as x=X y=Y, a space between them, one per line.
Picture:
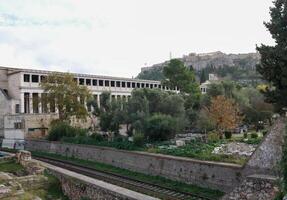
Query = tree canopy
x=178 y=75
x=273 y=65
x=63 y=92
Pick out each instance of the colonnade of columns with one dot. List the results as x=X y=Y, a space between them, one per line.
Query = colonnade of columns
x=34 y=103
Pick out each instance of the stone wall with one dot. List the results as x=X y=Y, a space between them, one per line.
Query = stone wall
x=266 y=157
x=215 y=175
x=78 y=187
x=254 y=187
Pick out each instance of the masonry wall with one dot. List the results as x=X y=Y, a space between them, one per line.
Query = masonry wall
x=78 y=187
x=266 y=158
x=220 y=176
x=4 y=109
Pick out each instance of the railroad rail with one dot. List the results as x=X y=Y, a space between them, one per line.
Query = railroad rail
x=151 y=189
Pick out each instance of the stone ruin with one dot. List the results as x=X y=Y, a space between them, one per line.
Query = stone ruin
x=15 y=185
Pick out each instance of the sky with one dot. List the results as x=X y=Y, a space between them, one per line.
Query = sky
x=117 y=38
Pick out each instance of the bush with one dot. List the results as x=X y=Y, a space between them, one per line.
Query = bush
x=254 y=135
x=139 y=139
x=62 y=129
x=160 y=127
x=98 y=137
x=213 y=137
x=228 y=134
x=245 y=135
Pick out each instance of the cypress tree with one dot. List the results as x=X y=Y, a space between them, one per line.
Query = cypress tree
x=273 y=65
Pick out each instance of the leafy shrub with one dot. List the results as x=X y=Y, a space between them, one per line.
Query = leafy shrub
x=213 y=137
x=254 y=135
x=139 y=139
x=160 y=127
x=245 y=135
x=228 y=134
x=61 y=129
x=97 y=137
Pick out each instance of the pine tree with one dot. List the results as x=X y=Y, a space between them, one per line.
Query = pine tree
x=273 y=65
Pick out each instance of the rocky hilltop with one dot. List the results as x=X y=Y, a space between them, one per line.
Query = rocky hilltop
x=215 y=59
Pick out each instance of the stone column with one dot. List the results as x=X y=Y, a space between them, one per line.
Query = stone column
x=31 y=102
x=98 y=100
x=40 y=103
x=22 y=103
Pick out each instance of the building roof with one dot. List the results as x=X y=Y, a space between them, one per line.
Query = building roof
x=17 y=70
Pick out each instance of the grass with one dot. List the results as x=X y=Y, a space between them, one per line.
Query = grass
x=213 y=194
x=10 y=166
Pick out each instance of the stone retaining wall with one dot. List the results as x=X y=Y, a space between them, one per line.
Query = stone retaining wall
x=266 y=158
x=78 y=187
x=215 y=175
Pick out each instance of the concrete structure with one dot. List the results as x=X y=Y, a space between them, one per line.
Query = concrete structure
x=221 y=176
x=77 y=187
x=20 y=92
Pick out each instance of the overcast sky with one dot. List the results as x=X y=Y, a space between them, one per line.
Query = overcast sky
x=118 y=37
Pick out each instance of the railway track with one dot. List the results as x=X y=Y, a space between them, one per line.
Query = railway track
x=123 y=181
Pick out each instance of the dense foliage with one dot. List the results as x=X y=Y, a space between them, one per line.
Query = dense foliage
x=61 y=91
x=152 y=74
x=273 y=65
x=62 y=129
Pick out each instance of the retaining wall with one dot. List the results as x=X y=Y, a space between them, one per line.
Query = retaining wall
x=215 y=175
x=78 y=187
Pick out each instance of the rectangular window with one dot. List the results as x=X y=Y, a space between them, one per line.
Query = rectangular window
x=101 y=83
x=95 y=82
x=107 y=83
x=128 y=84
x=112 y=83
x=123 y=84
x=133 y=85
x=35 y=78
x=81 y=81
x=142 y=85
x=138 y=85
x=147 y=85
x=151 y=85
x=88 y=81
x=18 y=125
x=27 y=78
x=42 y=78
x=118 y=84
x=17 y=108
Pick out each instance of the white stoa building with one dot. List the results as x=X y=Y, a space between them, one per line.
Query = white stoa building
x=20 y=90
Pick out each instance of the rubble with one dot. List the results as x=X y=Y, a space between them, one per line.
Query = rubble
x=235 y=148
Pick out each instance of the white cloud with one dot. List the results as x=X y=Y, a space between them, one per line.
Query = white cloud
x=117 y=37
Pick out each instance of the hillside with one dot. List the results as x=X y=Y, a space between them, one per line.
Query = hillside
x=215 y=61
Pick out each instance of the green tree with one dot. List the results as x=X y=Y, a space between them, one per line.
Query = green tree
x=160 y=127
x=66 y=95
x=273 y=65
x=177 y=75
x=203 y=76
x=110 y=113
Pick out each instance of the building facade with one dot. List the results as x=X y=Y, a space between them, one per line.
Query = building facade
x=20 y=92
